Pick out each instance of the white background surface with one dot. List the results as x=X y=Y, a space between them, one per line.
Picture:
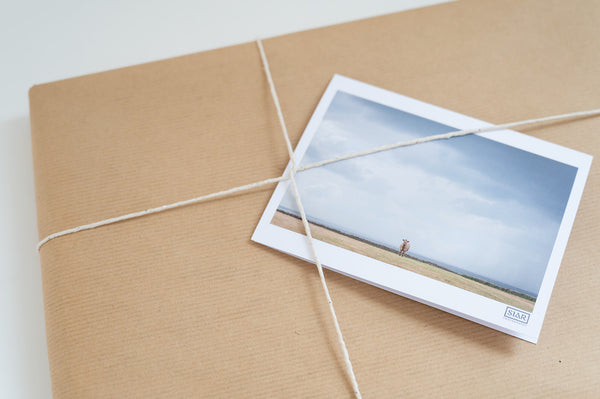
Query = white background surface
x=46 y=41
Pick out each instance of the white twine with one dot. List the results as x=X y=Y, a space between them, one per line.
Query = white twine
x=162 y=208
x=443 y=136
x=291 y=176
x=300 y=169
x=309 y=237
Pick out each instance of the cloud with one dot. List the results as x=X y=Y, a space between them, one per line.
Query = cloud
x=469 y=202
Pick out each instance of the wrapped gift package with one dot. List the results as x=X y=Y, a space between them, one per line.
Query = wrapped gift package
x=183 y=304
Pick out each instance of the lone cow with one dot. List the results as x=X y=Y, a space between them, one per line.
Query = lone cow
x=404 y=247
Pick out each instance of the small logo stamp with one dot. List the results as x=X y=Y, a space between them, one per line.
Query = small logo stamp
x=516 y=315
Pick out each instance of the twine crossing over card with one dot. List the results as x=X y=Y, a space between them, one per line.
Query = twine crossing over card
x=474 y=225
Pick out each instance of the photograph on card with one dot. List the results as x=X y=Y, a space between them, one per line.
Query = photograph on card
x=475 y=224
x=475 y=213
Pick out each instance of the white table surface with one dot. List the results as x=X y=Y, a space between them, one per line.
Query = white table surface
x=43 y=41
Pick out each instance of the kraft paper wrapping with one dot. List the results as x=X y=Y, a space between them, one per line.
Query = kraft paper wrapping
x=183 y=304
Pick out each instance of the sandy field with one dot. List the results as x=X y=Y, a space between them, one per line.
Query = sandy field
x=323 y=234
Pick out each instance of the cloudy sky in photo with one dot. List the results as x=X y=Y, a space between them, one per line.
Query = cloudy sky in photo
x=469 y=202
